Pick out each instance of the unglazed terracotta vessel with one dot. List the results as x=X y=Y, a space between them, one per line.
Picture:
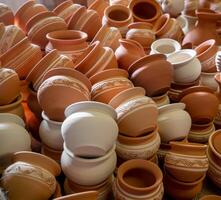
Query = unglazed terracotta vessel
x=99 y=6
x=108 y=83
x=92 y=195
x=7 y=16
x=118 y=16
x=173 y=7
x=154 y=73
x=138 y=179
x=217 y=120
x=145 y=10
x=136 y=113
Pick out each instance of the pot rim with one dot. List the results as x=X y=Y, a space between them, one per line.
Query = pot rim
x=145 y=24
x=211 y=143
x=45 y=117
x=80 y=195
x=211 y=43
x=176 y=106
x=159 y=21
x=17 y=101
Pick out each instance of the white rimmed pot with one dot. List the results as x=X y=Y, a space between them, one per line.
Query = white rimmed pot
x=89 y=128
x=207 y=79
x=174 y=122
x=183 y=62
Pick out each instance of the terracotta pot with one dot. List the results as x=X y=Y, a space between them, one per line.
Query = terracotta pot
x=206 y=53
x=88 y=63
x=11 y=118
x=21 y=57
x=167 y=27
x=128 y=52
x=173 y=7
x=145 y=10
x=67 y=42
x=153 y=73
x=57 y=191
x=190 y=6
x=138 y=179
x=161 y=100
x=199 y=97
x=7 y=16
x=108 y=36
x=218 y=116
x=107 y=84
x=206 y=20
x=96 y=144
x=136 y=113
x=141 y=32
x=41 y=24
x=118 y=16
x=99 y=6
x=82 y=19
x=51 y=153
x=92 y=195
x=26 y=11
x=119 y=2
x=214 y=144
x=211 y=197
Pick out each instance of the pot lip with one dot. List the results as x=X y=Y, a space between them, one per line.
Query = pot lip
x=17 y=101
x=159 y=29
x=146 y=24
x=84 y=105
x=211 y=43
x=168 y=107
x=45 y=117
x=211 y=143
x=210 y=13
x=139 y=164
x=184 y=144
x=132 y=42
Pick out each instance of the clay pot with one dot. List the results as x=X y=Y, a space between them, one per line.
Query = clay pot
x=145 y=10
x=173 y=7
x=206 y=53
x=206 y=21
x=211 y=197
x=186 y=162
x=199 y=97
x=218 y=94
x=183 y=24
x=96 y=143
x=190 y=6
x=21 y=57
x=26 y=11
x=51 y=153
x=108 y=37
x=67 y=42
x=99 y=6
x=128 y=52
x=7 y=17
x=165 y=46
x=174 y=123
x=136 y=113
x=141 y=32
x=138 y=179
x=153 y=73
x=70 y=84
x=161 y=100
x=84 y=171
x=88 y=63
x=11 y=118
x=41 y=24
x=107 y=84
x=9 y=86
x=82 y=19
x=143 y=147
x=182 y=62
x=207 y=79
x=118 y=16
x=119 y=2
x=214 y=145
x=92 y=195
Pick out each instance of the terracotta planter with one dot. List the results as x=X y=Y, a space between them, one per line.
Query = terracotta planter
x=118 y=16
x=145 y=10
x=161 y=100
x=80 y=196
x=107 y=84
x=99 y=6
x=218 y=116
x=7 y=17
x=136 y=113
x=173 y=7
x=153 y=73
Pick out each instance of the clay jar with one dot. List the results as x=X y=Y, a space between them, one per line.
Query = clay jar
x=99 y=6
x=75 y=134
x=206 y=53
x=92 y=195
x=199 y=97
x=118 y=16
x=69 y=43
x=136 y=113
x=7 y=16
x=145 y=10
x=107 y=84
x=141 y=32
x=173 y=7
x=30 y=170
x=183 y=62
x=186 y=162
x=128 y=52
x=26 y=11
x=82 y=19
x=174 y=122
x=138 y=179
x=9 y=86
x=167 y=27
x=88 y=64
x=153 y=73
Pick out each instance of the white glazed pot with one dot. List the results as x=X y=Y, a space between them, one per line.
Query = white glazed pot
x=187 y=68
x=84 y=171
x=207 y=79
x=90 y=129
x=50 y=133
x=183 y=23
x=174 y=122
x=173 y=7
x=11 y=118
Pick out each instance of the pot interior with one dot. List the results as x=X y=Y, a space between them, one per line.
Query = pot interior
x=166 y=49
x=118 y=15
x=144 y=10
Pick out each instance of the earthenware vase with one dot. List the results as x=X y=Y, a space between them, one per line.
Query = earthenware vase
x=99 y=6
x=173 y=7
x=7 y=16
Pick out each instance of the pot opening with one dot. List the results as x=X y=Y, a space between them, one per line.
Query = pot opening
x=139 y=178
x=144 y=10
x=180 y=57
x=118 y=15
x=166 y=49
x=163 y=20
x=202 y=121
x=202 y=49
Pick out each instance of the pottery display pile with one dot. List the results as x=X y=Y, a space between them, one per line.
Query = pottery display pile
x=122 y=97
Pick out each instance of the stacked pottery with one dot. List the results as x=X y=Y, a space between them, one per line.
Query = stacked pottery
x=185 y=165
x=31 y=176
x=99 y=6
x=138 y=179
x=6 y=17
x=137 y=121
x=196 y=98
x=89 y=157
